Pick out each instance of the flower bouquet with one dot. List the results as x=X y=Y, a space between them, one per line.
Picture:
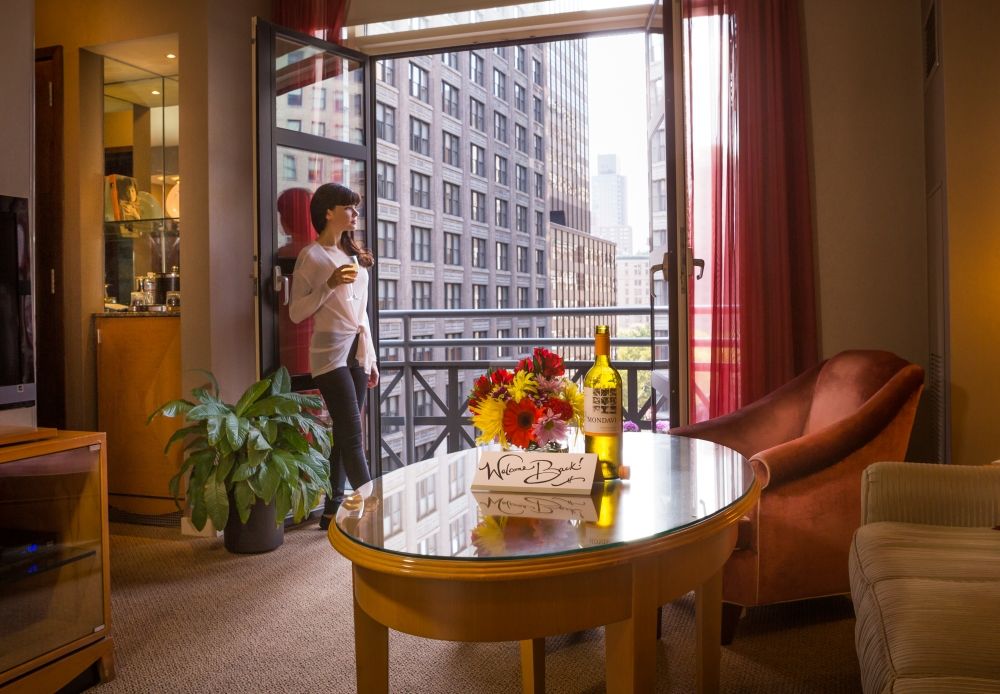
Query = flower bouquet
x=530 y=407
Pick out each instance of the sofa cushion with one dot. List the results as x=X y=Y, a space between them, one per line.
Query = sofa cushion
x=927 y=600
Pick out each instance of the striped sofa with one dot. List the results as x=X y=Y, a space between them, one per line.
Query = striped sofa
x=925 y=579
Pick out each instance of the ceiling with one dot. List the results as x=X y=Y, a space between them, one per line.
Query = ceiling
x=367 y=12
x=143 y=56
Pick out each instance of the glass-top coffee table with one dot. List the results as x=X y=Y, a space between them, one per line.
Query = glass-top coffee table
x=433 y=559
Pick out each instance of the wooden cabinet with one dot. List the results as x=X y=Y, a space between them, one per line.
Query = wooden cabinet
x=138 y=369
x=55 y=582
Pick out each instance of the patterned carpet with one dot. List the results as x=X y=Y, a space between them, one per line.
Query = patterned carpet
x=190 y=617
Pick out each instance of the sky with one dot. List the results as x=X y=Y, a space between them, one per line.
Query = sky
x=617 y=92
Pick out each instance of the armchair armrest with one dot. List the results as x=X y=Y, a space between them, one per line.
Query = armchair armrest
x=955 y=495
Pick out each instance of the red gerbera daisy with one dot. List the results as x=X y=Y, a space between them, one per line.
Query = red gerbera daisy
x=559 y=407
x=519 y=421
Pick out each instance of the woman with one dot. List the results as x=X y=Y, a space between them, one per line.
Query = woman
x=334 y=292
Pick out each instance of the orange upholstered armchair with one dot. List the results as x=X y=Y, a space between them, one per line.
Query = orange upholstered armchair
x=808 y=442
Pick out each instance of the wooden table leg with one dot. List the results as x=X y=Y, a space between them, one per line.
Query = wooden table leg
x=371 y=653
x=708 y=617
x=533 y=666
x=630 y=653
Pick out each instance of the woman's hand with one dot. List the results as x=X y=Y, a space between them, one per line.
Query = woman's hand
x=373 y=377
x=345 y=274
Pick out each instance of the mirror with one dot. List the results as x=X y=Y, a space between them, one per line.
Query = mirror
x=141 y=185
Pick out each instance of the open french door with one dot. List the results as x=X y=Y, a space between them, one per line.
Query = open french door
x=313 y=127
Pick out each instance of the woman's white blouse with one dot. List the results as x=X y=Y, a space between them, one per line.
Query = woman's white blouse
x=336 y=318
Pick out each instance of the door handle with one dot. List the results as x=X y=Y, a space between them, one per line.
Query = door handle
x=280 y=284
x=695 y=263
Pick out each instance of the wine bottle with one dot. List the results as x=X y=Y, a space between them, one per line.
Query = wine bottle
x=602 y=407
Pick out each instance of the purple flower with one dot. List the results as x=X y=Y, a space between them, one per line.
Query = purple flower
x=628 y=425
x=662 y=425
x=548 y=428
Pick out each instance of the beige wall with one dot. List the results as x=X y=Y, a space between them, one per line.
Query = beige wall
x=215 y=97
x=865 y=94
x=970 y=63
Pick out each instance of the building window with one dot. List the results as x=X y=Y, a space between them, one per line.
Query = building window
x=452 y=199
x=501 y=214
x=658 y=145
x=478 y=206
x=456 y=479
x=288 y=167
x=420 y=136
x=452 y=295
x=522 y=300
x=427 y=546
x=421 y=295
x=478 y=252
x=539 y=148
x=295 y=97
x=385 y=180
x=453 y=353
x=420 y=190
x=315 y=169
x=477 y=160
x=522 y=258
x=659 y=195
x=540 y=224
x=540 y=330
x=520 y=98
x=419 y=83
x=499 y=85
x=423 y=354
x=426 y=503
x=424 y=450
x=521 y=218
x=450 y=145
x=450 y=59
x=477 y=114
x=479 y=299
x=503 y=333
x=385 y=70
x=500 y=169
x=540 y=303
x=539 y=185
x=519 y=58
x=319 y=128
x=452 y=249
x=386 y=239
x=499 y=126
x=458 y=535
x=423 y=405
x=521 y=178
x=420 y=244
x=385 y=122
x=536 y=70
x=479 y=353
x=319 y=99
x=501 y=51
x=449 y=99
x=539 y=261
x=387 y=294
x=392 y=515
x=294 y=124
x=520 y=138
x=537 y=104
x=503 y=256
x=476 y=65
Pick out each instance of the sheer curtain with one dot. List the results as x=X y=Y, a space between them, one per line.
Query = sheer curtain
x=753 y=317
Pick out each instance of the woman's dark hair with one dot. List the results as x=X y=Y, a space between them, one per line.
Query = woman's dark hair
x=328 y=196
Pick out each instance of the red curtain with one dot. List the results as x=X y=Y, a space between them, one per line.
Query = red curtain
x=753 y=317
x=323 y=19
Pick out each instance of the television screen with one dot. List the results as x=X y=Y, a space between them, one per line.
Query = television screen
x=17 y=362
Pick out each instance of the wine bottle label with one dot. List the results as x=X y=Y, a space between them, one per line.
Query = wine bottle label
x=602 y=411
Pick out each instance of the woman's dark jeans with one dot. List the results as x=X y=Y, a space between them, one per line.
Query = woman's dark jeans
x=344 y=391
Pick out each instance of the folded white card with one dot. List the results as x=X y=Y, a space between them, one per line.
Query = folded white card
x=535 y=471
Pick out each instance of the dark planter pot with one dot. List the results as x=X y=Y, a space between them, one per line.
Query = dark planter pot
x=258 y=534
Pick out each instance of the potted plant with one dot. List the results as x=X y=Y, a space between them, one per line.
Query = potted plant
x=252 y=462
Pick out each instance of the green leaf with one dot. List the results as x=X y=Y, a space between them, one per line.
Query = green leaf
x=170 y=409
x=199 y=515
x=251 y=395
x=270 y=478
x=203 y=463
x=211 y=377
x=274 y=405
x=242 y=471
x=223 y=468
x=245 y=499
x=282 y=504
x=270 y=431
x=180 y=434
x=213 y=429
x=311 y=402
x=175 y=488
x=206 y=410
x=217 y=503
x=232 y=427
x=257 y=441
x=281 y=382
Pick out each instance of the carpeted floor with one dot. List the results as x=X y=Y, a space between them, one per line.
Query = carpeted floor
x=190 y=617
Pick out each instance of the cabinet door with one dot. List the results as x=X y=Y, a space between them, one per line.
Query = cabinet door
x=138 y=369
x=51 y=557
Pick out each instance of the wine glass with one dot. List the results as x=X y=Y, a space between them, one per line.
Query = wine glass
x=351 y=294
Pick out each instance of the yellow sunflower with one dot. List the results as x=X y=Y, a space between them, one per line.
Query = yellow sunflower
x=575 y=398
x=523 y=384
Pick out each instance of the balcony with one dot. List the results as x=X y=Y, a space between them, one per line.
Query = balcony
x=442 y=422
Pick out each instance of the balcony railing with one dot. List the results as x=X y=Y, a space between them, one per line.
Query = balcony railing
x=401 y=377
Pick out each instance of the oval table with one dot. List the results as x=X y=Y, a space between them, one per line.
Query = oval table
x=433 y=559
